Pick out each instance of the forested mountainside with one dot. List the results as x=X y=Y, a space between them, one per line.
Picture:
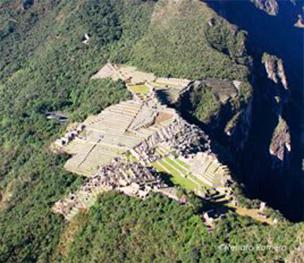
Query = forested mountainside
x=45 y=66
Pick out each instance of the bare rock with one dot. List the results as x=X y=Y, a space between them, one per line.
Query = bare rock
x=275 y=69
x=271 y=7
x=300 y=22
x=280 y=144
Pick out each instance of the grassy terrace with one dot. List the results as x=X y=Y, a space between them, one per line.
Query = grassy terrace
x=176 y=165
x=161 y=151
x=184 y=169
x=159 y=85
x=139 y=89
x=177 y=178
x=178 y=170
x=129 y=157
x=181 y=163
x=180 y=174
x=162 y=166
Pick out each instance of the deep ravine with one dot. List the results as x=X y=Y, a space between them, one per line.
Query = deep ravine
x=282 y=189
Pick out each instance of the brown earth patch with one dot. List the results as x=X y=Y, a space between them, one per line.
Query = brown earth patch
x=163 y=116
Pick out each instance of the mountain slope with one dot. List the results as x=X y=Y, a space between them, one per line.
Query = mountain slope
x=47 y=67
x=177 y=43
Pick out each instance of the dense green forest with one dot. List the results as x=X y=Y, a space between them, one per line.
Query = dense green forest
x=176 y=44
x=123 y=229
x=44 y=66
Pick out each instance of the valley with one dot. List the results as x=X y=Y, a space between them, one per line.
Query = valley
x=142 y=131
x=278 y=182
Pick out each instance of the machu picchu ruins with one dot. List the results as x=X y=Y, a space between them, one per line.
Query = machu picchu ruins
x=132 y=179
x=126 y=146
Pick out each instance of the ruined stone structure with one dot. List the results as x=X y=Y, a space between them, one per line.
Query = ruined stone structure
x=208 y=169
x=139 y=128
x=132 y=179
x=181 y=137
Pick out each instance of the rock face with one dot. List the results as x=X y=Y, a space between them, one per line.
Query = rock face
x=275 y=69
x=271 y=7
x=214 y=103
x=280 y=144
x=300 y=21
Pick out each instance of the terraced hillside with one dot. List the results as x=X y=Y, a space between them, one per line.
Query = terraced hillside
x=149 y=132
x=49 y=52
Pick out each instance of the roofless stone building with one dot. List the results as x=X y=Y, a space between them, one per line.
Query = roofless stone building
x=120 y=147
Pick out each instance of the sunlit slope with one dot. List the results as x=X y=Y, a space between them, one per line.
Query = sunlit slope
x=176 y=43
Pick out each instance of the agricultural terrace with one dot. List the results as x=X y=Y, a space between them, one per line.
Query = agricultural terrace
x=118 y=147
x=140 y=89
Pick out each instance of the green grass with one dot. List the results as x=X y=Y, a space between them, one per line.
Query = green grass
x=177 y=165
x=139 y=89
x=176 y=177
x=160 y=85
x=186 y=166
x=161 y=151
x=199 y=182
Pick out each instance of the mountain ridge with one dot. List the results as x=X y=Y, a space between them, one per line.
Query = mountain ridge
x=47 y=67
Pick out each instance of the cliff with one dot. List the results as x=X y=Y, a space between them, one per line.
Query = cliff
x=224 y=107
x=275 y=69
x=300 y=22
x=271 y=7
x=280 y=146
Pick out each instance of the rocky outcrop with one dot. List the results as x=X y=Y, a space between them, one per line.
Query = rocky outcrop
x=275 y=69
x=271 y=7
x=223 y=106
x=300 y=22
x=280 y=144
x=281 y=73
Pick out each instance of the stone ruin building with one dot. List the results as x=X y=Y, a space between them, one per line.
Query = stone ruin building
x=138 y=127
x=181 y=137
x=132 y=179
